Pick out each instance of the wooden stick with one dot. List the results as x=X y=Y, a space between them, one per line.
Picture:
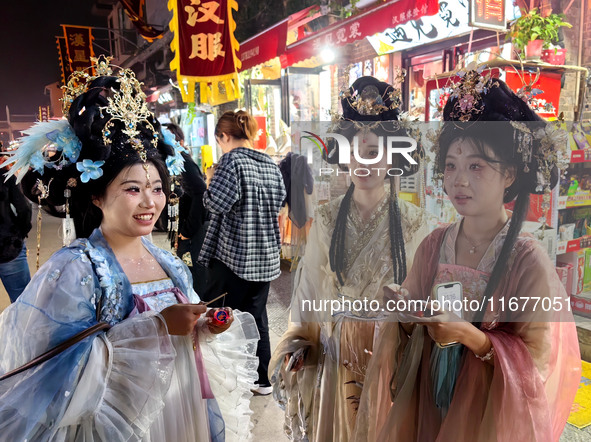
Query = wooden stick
x=215 y=299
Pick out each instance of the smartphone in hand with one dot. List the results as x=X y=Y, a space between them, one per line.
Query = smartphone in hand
x=450 y=297
x=296 y=356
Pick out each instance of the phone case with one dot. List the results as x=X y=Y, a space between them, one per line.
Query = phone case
x=301 y=353
x=449 y=295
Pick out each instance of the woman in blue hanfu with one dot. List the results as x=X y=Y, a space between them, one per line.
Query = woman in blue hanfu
x=161 y=369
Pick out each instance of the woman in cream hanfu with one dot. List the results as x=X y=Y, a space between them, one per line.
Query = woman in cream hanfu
x=358 y=243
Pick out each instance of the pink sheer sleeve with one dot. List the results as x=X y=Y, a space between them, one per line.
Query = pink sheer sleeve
x=526 y=395
x=375 y=406
x=537 y=368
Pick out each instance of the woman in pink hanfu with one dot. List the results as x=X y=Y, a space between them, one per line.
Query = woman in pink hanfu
x=513 y=367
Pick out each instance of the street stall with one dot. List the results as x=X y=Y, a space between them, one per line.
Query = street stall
x=196 y=120
x=300 y=81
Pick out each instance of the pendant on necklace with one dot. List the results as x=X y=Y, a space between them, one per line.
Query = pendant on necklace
x=472 y=250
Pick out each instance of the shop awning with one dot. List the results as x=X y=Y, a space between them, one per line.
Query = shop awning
x=272 y=42
x=357 y=27
x=264 y=46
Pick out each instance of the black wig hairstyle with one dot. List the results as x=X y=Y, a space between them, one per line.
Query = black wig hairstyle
x=489 y=125
x=88 y=121
x=353 y=121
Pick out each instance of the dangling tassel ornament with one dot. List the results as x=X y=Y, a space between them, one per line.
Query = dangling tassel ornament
x=439 y=196
x=173 y=219
x=42 y=192
x=422 y=185
x=68 y=229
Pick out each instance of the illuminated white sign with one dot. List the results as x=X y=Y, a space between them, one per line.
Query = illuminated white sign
x=165 y=97
x=451 y=21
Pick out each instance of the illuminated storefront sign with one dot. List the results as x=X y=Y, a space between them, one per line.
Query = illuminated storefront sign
x=451 y=21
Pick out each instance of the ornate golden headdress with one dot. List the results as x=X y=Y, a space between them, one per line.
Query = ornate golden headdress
x=540 y=147
x=53 y=145
x=79 y=81
x=467 y=94
x=370 y=100
x=127 y=105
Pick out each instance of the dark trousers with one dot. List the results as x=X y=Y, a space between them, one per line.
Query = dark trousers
x=15 y=274
x=247 y=296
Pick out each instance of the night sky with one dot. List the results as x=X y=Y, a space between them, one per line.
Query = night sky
x=28 y=52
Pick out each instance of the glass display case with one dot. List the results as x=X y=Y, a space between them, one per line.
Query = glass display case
x=303 y=94
x=263 y=99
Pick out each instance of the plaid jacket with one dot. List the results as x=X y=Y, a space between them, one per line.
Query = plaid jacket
x=244 y=198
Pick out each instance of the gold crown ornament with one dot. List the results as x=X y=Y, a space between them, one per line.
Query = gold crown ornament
x=127 y=105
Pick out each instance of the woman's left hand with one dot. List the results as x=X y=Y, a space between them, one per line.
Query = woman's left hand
x=445 y=328
x=216 y=327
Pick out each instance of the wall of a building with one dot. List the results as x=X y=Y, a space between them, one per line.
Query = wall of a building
x=158 y=14
x=55 y=95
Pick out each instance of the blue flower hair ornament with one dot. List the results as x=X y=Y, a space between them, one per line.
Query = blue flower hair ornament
x=50 y=144
x=175 y=163
x=54 y=145
x=91 y=170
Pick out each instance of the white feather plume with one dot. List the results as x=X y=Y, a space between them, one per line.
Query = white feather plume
x=34 y=140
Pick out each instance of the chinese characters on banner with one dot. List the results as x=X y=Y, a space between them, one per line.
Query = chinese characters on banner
x=205 y=49
x=64 y=61
x=79 y=46
x=43 y=113
x=451 y=20
x=357 y=27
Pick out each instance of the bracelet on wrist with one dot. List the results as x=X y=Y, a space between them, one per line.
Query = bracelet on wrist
x=488 y=356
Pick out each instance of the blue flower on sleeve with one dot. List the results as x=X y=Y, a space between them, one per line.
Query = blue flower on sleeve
x=53 y=276
x=91 y=170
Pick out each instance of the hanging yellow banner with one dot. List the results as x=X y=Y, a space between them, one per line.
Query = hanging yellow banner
x=205 y=49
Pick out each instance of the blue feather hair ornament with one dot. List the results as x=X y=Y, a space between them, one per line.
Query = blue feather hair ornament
x=50 y=144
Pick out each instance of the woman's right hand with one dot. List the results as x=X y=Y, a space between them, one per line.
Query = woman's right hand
x=209 y=172
x=182 y=318
x=396 y=294
x=299 y=359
